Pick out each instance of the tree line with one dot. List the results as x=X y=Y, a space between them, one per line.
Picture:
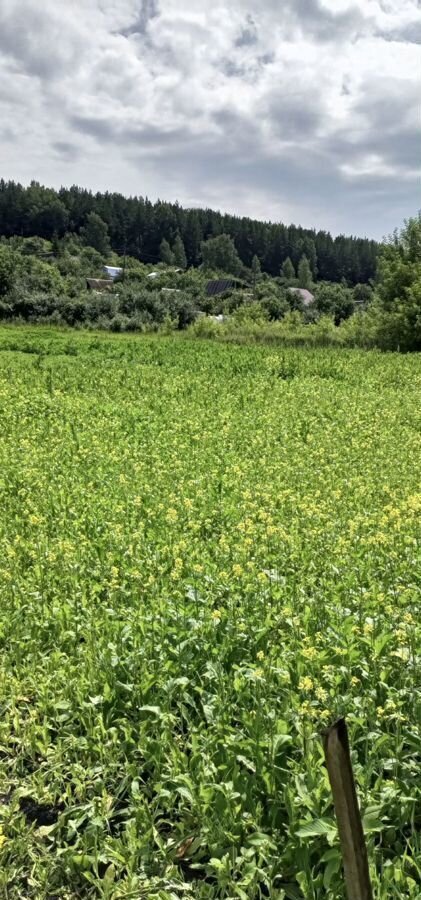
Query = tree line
x=137 y=227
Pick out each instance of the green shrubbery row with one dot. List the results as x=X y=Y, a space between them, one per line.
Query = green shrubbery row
x=370 y=328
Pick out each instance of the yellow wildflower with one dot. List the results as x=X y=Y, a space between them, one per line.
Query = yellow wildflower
x=305 y=684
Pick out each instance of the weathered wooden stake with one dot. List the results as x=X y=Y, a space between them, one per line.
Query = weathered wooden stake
x=351 y=835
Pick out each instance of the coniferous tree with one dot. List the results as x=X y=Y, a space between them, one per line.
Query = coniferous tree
x=192 y=236
x=139 y=226
x=256 y=272
x=309 y=250
x=165 y=253
x=305 y=279
x=288 y=271
x=179 y=253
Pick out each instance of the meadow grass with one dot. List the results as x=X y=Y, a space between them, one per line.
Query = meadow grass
x=208 y=553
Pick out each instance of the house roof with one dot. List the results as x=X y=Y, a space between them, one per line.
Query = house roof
x=112 y=271
x=306 y=296
x=158 y=272
x=99 y=284
x=220 y=285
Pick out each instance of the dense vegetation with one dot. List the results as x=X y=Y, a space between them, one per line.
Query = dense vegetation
x=138 y=227
x=208 y=552
x=46 y=280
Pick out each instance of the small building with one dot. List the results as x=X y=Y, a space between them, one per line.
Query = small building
x=306 y=297
x=158 y=272
x=99 y=285
x=221 y=285
x=112 y=271
x=219 y=318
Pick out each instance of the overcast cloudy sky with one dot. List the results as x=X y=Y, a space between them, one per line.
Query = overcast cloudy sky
x=304 y=111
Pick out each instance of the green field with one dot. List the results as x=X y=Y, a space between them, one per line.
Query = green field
x=207 y=554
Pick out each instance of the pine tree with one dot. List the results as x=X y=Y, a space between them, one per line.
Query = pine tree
x=192 y=236
x=256 y=272
x=179 y=253
x=140 y=225
x=305 y=279
x=309 y=250
x=165 y=253
x=288 y=271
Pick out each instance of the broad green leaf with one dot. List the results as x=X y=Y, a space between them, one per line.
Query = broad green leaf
x=317 y=827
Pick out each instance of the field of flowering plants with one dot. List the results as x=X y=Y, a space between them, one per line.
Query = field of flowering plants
x=207 y=553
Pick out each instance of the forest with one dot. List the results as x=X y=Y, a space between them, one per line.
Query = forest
x=137 y=226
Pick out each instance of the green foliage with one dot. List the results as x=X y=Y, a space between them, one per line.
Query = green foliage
x=255 y=273
x=256 y=269
x=310 y=252
x=179 y=253
x=219 y=254
x=399 y=288
x=250 y=312
x=208 y=553
x=288 y=272
x=8 y=264
x=165 y=253
x=71 y=243
x=363 y=294
x=95 y=234
x=34 y=246
x=139 y=226
x=304 y=275
x=273 y=299
x=38 y=277
x=292 y=329
x=334 y=300
x=34 y=275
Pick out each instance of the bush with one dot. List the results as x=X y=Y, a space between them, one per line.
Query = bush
x=399 y=289
x=334 y=300
x=205 y=327
x=118 y=323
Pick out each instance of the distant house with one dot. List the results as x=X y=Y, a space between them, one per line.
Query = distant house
x=159 y=272
x=99 y=285
x=220 y=318
x=112 y=271
x=220 y=285
x=306 y=297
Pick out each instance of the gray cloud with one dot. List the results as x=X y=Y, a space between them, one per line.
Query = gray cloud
x=66 y=150
x=248 y=34
x=149 y=9
x=324 y=23
x=305 y=110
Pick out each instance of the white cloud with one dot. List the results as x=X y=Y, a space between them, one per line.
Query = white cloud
x=304 y=110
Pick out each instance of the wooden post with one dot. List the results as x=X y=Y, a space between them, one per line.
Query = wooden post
x=351 y=835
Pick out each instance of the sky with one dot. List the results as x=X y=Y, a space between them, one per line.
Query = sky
x=304 y=111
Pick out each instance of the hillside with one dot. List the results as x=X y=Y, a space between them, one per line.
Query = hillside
x=137 y=226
